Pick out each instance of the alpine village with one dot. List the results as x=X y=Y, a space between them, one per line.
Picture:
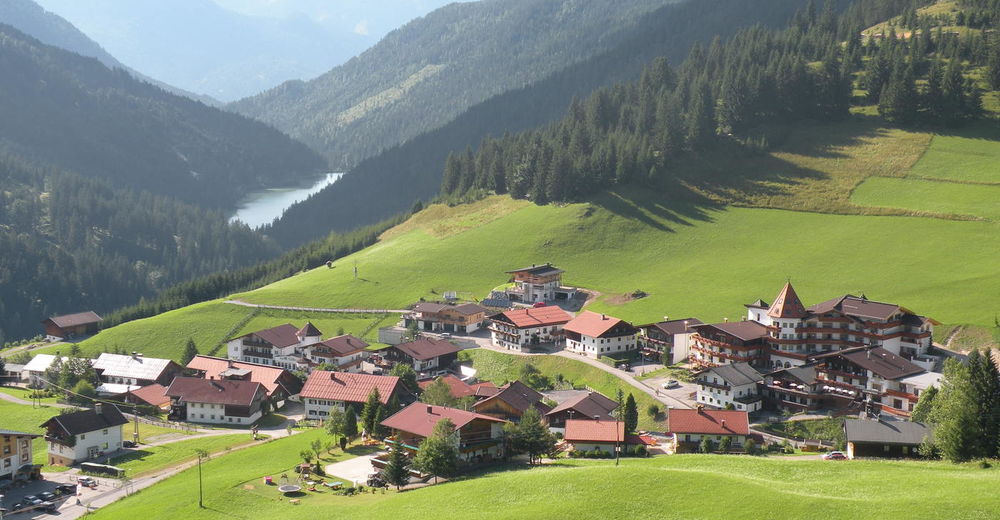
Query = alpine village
x=505 y=259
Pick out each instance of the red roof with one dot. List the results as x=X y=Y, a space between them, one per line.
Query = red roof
x=536 y=317
x=578 y=430
x=155 y=394
x=267 y=375
x=339 y=346
x=787 y=304
x=420 y=418
x=426 y=348
x=485 y=389
x=459 y=388
x=281 y=336
x=711 y=422
x=592 y=324
x=343 y=386
x=218 y=391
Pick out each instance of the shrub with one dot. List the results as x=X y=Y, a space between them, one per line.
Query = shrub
x=985 y=464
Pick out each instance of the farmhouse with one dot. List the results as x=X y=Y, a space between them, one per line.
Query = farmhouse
x=478 y=437
x=427 y=356
x=216 y=401
x=278 y=346
x=34 y=371
x=538 y=283
x=671 y=339
x=594 y=335
x=15 y=456
x=730 y=342
x=120 y=374
x=154 y=395
x=81 y=436
x=520 y=328
x=325 y=390
x=732 y=386
x=690 y=427
x=345 y=352
x=602 y=435
x=460 y=389
x=893 y=439
x=510 y=403
x=465 y=318
x=58 y=328
x=279 y=383
x=590 y=406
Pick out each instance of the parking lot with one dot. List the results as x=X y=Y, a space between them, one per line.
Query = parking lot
x=684 y=392
x=38 y=489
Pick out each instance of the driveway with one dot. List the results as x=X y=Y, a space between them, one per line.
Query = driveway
x=681 y=393
x=354 y=470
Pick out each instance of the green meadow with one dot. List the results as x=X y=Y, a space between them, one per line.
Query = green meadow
x=971 y=155
x=149 y=459
x=671 y=487
x=974 y=200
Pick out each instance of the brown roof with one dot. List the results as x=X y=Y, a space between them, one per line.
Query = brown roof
x=787 y=304
x=85 y=421
x=420 y=418
x=674 y=327
x=592 y=324
x=879 y=361
x=519 y=396
x=154 y=395
x=485 y=389
x=426 y=348
x=75 y=320
x=339 y=346
x=216 y=391
x=712 y=422
x=269 y=376
x=859 y=307
x=459 y=388
x=578 y=430
x=344 y=386
x=588 y=405
x=280 y=336
x=429 y=307
x=308 y=330
x=538 y=270
x=745 y=330
x=535 y=317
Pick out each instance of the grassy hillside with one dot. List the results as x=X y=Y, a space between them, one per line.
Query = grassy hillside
x=684 y=486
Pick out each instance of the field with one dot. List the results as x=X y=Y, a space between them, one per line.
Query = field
x=970 y=156
x=940 y=197
x=501 y=368
x=662 y=487
x=154 y=458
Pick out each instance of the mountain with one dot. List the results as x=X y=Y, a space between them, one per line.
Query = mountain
x=248 y=54
x=425 y=73
x=402 y=174
x=72 y=112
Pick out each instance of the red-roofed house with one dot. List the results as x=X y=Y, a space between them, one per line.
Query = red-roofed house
x=595 y=335
x=279 y=346
x=216 y=401
x=601 y=435
x=464 y=318
x=689 y=427
x=480 y=437
x=150 y=395
x=345 y=352
x=325 y=390
x=586 y=407
x=458 y=388
x=516 y=329
x=425 y=355
x=279 y=383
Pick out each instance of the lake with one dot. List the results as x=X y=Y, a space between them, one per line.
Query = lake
x=261 y=207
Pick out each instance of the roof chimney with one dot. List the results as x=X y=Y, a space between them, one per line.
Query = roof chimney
x=430 y=409
x=723 y=424
x=333 y=376
x=597 y=417
x=725 y=320
x=701 y=408
x=99 y=408
x=134 y=355
x=603 y=317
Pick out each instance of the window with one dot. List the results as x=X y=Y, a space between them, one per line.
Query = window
x=105 y=432
x=83 y=436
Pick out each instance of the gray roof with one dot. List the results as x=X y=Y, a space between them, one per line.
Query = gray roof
x=886 y=432
x=89 y=420
x=39 y=363
x=137 y=367
x=17 y=433
x=737 y=374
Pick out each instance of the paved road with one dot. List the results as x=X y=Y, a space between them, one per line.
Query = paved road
x=316 y=309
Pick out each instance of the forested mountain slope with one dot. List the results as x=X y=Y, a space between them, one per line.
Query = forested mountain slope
x=425 y=73
x=74 y=113
x=403 y=174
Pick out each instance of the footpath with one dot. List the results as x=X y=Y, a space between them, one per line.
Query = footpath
x=315 y=309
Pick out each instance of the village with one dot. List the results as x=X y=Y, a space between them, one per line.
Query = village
x=418 y=395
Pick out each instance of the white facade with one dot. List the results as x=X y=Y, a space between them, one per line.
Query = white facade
x=290 y=357
x=505 y=335
x=210 y=413
x=16 y=453
x=348 y=363
x=320 y=408
x=88 y=446
x=597 y=347
x=719 y=397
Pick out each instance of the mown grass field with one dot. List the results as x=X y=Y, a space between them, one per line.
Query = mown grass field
x=154 y=458
x=974 y=200
x=502 y=368
x=676 y=487
x=972 y=155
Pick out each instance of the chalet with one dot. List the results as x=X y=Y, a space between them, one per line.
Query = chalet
x=669 y=341
x=730 y=342
x=520 y=328
x=465 y=318
x=796 y=332
x=154 y=395
x=119 y=374
x=216 y=401
x=538 y=283
x=281 y=346
x=690 y=427
x=325 y=390
x=733 y=385
x=594 y=335
x=425 y=355
x=876 y=438
x=586 y=407
x=864 y=374
x=511 y=402
x=58 y=328
x=80 y=436
x=15 y=456
x=460 y=389
x=902 y=394
x=796 y=389
x=345 y=352
x=601 y=434
x=478 y=437
x=279 y=383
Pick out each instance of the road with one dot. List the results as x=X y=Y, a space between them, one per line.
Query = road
x=316 y=309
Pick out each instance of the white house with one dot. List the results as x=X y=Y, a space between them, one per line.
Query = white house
x=120 y=373
x=734 y=385
x=81 y=436
x=15 y=454
x=517 y=329
x=689 y=427
x=595 y=335
x=282 y=346
x=216 y=401
x=538 y=283
x=344 y=352
x=326 y=390
x=34 y=371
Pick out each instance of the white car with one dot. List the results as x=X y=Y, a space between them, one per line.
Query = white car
x=671 y=383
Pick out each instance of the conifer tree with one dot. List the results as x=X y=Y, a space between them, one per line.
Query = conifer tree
x=438 y=454
x=397 y=468
x=368 y=413
x=925 y=405
x=631 y=415
x=190 y=351
x=957 y=433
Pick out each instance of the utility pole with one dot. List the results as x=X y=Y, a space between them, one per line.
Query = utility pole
x=201 y=494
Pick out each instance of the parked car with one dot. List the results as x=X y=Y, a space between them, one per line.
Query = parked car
x=66 y=489
x=671 y=383
x=32 y=500
x=128 y=444
x=445 y=335
x=46 y=496
x=835 y=455
x=87 y=481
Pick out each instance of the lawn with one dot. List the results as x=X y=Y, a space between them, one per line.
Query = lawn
x=971 y=155
x=501 y=368
x=25 y=394
x=154 y=458
x=672 y=487
x=975 y=200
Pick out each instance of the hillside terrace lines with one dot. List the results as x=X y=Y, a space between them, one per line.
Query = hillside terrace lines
x=316 y=309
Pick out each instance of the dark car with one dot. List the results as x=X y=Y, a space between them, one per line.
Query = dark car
x=66 y=489
x=128 y=444
x=32 y=499
x=46 y=496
